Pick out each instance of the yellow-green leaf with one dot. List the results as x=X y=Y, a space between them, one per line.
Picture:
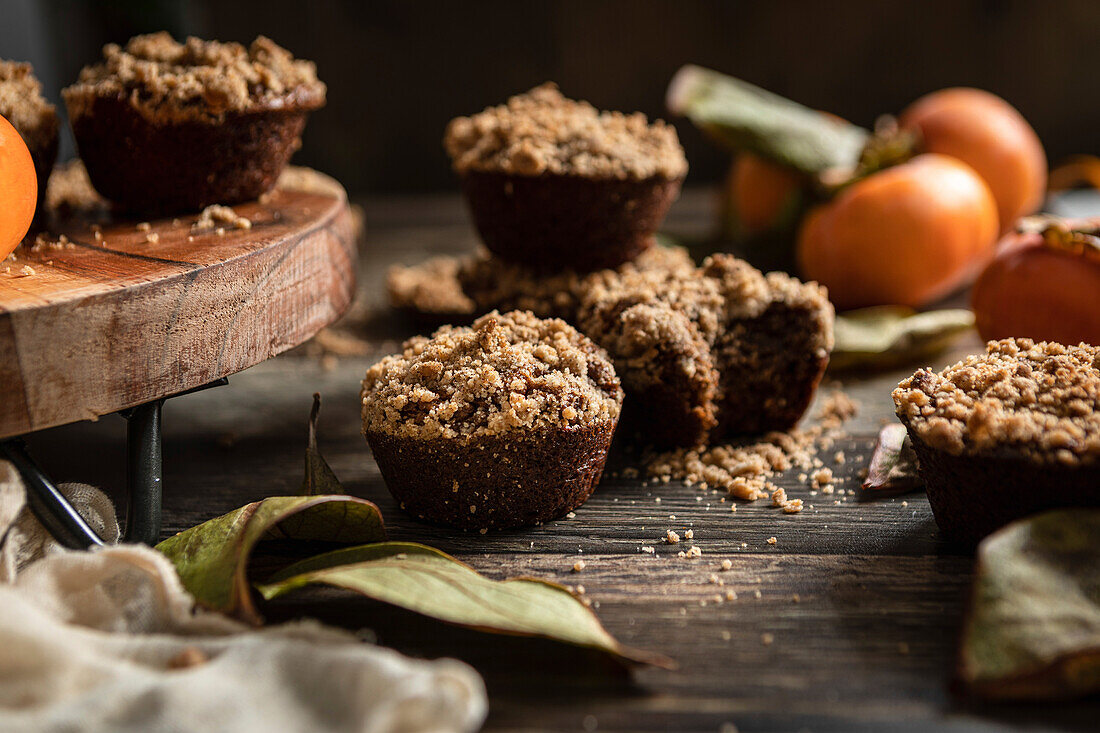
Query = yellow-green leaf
x=893 y=335
x=1033 y=631
x=212 y=558
x=430 y=582
x=745 y=117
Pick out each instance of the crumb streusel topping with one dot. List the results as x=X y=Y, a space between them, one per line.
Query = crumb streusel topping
x=22 y=104
x=167 y=80
x=1041 y=400
x=542 y=131
x=508 y=372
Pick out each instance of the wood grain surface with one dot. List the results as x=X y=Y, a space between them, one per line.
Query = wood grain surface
x=149 y=309
x=863 y=600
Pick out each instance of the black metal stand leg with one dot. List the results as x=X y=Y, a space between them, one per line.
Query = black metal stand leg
x=144 y=472
x=49 y=505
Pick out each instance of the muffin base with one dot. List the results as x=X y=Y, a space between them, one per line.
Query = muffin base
x=973 y=496
x=494 y=482
x=165 y=167
x=555 y=222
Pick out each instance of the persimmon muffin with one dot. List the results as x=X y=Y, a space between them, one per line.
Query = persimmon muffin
x=35 y=119
x=168 y=127
x=502 y=424
x=556 y=184
x=1007 y=433
x=712 y=351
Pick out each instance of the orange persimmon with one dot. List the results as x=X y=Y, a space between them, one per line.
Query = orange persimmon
x=1043 y=285
x=18 y=188
x=905 y=235
x=760 y=194
x=992 y=137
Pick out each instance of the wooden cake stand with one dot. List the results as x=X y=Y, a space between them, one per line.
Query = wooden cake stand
x=104 y=314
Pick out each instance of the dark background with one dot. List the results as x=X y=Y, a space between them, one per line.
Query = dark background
x=397 y=71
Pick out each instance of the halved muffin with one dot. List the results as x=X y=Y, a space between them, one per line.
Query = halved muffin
x=168 y=127
x=555 y=184
x=500 y=425
x=1005 y=434
x=35 y=119
x=711 y=351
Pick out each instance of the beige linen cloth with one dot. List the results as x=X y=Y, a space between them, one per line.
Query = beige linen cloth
x=109 y=640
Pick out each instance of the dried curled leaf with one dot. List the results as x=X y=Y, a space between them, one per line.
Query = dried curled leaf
x=893 y=466
x=212 y=558
x=319 y=478
x=744 y=117
x=1033 y=631
x=889 y=335
x=430 y=582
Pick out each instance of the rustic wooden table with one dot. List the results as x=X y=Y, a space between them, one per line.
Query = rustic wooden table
x=862 y=600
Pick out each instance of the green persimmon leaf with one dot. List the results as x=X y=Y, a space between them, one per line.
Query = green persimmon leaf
x=1033 y=631
x=741 y=116
x=892 y=335
x=212 y=558
x=432 y=583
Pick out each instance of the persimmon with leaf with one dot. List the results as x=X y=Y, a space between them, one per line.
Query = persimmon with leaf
x=1044 y=283
x=906 y=215
x=906 y=235
x=18 y=188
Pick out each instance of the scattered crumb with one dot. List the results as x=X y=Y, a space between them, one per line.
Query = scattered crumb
x=766 y=639
x=726 y=565
x=822 y=477
x=794 y=506
x=772 y=540
x=671 y=537
x=578 y=566
x=215 y=215
x=689 y=534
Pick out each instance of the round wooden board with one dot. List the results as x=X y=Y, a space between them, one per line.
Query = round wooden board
x=146 y=312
